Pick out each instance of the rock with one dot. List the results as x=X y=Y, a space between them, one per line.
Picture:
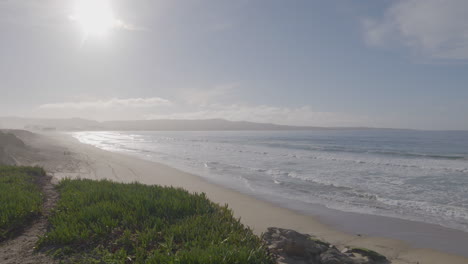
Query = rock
x=372 y=256
x=333 y=256
x=291 y=247
x=293 y=244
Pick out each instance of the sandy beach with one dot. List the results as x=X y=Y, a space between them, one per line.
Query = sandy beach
x=63 y=156
x=343 y=122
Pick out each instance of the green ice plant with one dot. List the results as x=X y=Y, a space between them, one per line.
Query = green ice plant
x=108 y=222
x=20 y=198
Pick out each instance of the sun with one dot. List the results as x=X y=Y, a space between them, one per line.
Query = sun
x=95 y=17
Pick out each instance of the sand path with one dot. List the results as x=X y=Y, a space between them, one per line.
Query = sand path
x=20 y=249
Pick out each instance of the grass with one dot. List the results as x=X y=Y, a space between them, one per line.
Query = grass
x=20 y=198
x=108 y=222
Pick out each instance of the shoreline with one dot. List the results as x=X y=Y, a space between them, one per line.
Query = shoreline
x=414 y=233
x=70 y=158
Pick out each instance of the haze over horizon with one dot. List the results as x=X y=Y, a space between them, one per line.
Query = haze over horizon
x=397 y=64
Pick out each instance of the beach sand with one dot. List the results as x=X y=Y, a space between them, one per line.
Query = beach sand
x=63 y=156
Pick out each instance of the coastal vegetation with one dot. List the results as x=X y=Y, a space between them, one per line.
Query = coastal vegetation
x=108 y=222
x=20 y=198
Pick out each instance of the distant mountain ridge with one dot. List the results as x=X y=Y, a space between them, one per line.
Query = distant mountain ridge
x=79 y=124
x=196 y=125
x=73 y=124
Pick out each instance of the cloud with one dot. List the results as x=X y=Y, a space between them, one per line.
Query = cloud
x=435 y=28
x=110 y=103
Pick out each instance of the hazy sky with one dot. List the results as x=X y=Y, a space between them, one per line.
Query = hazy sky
x=385 y=63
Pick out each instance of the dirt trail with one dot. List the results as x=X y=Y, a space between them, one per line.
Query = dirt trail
x=20 y=249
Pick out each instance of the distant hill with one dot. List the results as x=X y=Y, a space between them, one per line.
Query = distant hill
x=70 y=124
x=9 y=143
x=77 y=124
x=195 y=125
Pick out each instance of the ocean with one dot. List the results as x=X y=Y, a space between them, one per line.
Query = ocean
x=411 y=175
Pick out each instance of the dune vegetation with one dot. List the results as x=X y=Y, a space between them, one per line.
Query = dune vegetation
x=108 y=222
x=20 y=198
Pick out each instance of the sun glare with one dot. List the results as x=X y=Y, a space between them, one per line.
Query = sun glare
x=95 y=17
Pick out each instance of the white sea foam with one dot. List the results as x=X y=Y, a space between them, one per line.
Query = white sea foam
x=412 y=175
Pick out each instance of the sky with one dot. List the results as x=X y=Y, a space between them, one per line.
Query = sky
x=387 y=63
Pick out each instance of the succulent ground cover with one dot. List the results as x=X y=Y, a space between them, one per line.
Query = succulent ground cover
x=20 y=198
x=108 y=222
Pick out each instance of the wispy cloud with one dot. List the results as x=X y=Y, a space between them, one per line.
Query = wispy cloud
x=110 y=103
x=434 y=28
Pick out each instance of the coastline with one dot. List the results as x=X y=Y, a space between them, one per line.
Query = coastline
x=66 y=157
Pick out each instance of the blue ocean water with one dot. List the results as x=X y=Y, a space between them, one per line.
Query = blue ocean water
x=413 y=175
